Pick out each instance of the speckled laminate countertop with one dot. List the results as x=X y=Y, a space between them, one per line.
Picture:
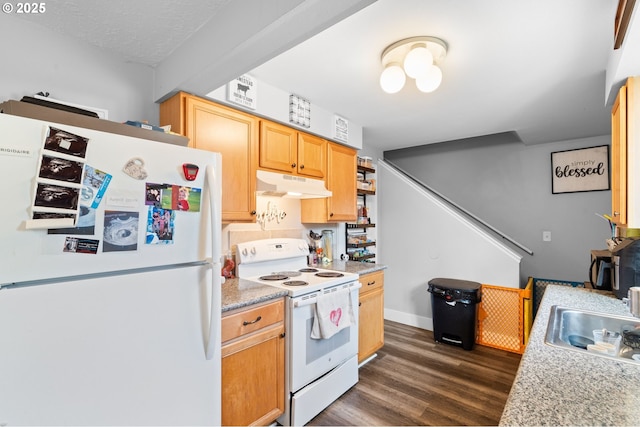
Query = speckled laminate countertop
x=354 y=266
x=555 y=386
x=238 y=293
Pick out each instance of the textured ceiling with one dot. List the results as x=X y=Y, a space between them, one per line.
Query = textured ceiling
x=141 y=31
x=533 y=67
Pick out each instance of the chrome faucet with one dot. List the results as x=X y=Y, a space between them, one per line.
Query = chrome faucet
x=633 y=300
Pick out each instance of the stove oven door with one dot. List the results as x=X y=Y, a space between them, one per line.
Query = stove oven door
x=311 y=358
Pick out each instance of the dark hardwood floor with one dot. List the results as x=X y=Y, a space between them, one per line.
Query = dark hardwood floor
x=416 y=381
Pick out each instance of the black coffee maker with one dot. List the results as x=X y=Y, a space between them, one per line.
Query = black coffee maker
x=626 y=267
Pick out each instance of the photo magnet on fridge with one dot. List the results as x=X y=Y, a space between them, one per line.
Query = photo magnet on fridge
x=120 y=231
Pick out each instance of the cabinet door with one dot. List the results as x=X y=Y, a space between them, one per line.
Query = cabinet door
x=253 y=378
x=371 y=321
x=278 y=147
x=233 y=134
x=312 y=156
x=619 y=158
x=341 y=164
x=341 y=180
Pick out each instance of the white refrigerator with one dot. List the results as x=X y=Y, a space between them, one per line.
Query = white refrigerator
x=109 y=279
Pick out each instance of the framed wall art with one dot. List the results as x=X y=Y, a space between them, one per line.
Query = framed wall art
x=299 y=111
x=579 y=170
x=243 y=91
x=340 y=128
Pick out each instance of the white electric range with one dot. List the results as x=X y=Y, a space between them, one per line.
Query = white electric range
x=318 y=371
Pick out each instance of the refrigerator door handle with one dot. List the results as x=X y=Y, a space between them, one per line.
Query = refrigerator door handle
x=214 y=193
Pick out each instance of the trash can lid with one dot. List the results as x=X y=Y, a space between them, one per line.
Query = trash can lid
x=445 y=283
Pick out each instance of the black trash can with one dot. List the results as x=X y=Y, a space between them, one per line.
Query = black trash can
x=454 y=304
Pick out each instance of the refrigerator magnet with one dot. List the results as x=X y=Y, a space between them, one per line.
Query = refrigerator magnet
x=135 y=168
x=190 y=171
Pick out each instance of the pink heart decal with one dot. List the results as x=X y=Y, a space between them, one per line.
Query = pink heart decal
x=335 y=316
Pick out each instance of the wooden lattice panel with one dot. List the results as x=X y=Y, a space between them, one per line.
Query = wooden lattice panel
x=501 y=318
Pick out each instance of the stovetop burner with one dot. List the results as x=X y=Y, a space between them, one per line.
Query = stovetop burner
x=295 y=283
x=275 y=261
x=274 y=277
x=288 y=273
x=329 y=274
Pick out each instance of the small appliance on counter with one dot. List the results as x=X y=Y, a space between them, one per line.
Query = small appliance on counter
x=626 y=267
x=601 y=270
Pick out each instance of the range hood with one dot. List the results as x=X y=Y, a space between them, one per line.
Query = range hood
x=291 y=186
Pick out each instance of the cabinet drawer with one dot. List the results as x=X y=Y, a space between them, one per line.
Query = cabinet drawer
x=372 y=281
x=243 y=321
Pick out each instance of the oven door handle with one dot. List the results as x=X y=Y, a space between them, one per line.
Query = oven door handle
x=311 y=299
x=304 y=302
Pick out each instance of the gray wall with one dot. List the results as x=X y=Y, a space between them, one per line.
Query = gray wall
x=508 y=185
x=35 y=59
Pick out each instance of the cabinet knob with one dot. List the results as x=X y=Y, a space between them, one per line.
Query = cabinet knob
x=253 y=212
x=371 y=283
x=293 y=165
x=331 y=214
x=301 y=166
x=616 y=213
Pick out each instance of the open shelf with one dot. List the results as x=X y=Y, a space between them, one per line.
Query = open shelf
x=351 y=226
x=362 y=257
x=360 y=245
x=366 y=169
x=359 y=251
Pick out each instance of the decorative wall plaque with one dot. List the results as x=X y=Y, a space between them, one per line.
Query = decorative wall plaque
x=243 y=91
x=340 y=128
x=584 y=169
x=299 y=111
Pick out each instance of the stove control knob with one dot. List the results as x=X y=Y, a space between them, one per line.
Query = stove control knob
x=244 y=252
x=253 y=250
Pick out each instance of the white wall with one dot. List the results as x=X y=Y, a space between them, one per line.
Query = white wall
x=278 y=217
x=423 y=239
x=35 y=59
x=273 y=103
x=508 y=185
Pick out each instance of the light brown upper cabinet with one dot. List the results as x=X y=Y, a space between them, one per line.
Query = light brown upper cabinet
x=286 y=150
x=625 y=155
x=214 y=127
x=619 y=158
x=341 y=206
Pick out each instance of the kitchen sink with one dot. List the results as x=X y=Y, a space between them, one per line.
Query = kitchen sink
x=572 y=329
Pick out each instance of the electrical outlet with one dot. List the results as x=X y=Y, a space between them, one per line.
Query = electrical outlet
x=546 y=236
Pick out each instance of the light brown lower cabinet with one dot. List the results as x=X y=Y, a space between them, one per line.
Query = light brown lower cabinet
x=371 y=317
x=253 y=364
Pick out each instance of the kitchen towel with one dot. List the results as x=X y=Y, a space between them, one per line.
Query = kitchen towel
x=333 y=312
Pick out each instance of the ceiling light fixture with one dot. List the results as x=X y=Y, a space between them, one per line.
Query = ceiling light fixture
x=416 y=57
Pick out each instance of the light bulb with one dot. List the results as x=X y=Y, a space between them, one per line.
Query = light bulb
x=392 y=78
x=418 y=61
x=431 y=81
